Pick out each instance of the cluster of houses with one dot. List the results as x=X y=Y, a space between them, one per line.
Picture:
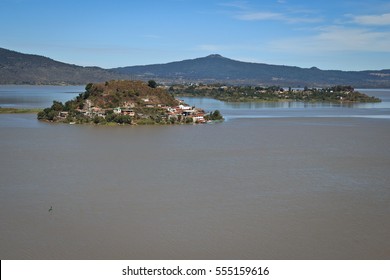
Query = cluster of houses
x=180 y=112
x=187 y=111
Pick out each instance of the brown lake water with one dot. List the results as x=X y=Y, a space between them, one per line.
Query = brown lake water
x=258 y=188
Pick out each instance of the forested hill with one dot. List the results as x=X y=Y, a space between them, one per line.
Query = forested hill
x=18 y=68
x=216 y=68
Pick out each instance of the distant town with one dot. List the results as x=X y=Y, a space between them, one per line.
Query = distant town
x=337 y=94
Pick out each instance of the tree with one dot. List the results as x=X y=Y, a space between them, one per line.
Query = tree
x=88 y=86
x=122 y=119
x=216 y=115
x=52 y=115
x=42 y=115
x=110 y=116
x=57 y=106
x=152 y=84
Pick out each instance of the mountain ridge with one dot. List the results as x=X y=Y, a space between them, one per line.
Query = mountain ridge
x=19 y=68
x=216 y=68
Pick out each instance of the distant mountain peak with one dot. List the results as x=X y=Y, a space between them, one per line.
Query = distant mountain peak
x=215 y=56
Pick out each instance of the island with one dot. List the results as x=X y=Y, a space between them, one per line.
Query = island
x=126 y=102
x=336 y=94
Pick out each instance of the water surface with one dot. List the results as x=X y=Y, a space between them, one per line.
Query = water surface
x=249 y=188
x=17 y=96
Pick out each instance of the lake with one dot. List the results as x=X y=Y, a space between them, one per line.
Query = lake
x=274 y=181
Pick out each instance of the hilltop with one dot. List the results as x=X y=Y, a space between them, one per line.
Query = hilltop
x=19 y=68
x=125 y=102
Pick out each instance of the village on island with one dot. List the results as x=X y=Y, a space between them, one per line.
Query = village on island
x=127 y=102
x=180 y=113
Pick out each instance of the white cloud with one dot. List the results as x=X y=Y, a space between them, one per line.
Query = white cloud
x=336 y=39
x=261 y=16
x=383 y=19
x=242 y=11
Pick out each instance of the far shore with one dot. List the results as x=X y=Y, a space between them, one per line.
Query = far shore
x=19 y=110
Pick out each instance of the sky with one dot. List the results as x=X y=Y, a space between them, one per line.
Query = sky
x=331 y=34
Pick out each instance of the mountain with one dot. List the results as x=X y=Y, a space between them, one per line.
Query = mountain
x=216 y=68
x=18 y=68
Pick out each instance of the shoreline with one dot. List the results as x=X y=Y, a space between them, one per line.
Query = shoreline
x=19 y=110
x=258 y=100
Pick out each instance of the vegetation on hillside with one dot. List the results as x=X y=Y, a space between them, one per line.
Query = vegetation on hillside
x=125 y=102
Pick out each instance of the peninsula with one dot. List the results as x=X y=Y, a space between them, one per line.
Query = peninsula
x=126 y=102
x=335 y=94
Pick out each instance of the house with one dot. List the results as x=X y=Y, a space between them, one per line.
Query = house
x=184 y=107
x=199 y=118
x=188 y=112
x=63 y=114
x=101 y=113
x=170 y=109
x=128 y=112
x=117 y=110
x=129 y=105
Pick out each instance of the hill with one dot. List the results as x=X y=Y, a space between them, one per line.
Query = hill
x=218 y=69
x=18 y=68
x=113 y=93
x=125 y=102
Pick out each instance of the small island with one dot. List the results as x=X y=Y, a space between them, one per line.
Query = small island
x=336 y=94
x=126 y=102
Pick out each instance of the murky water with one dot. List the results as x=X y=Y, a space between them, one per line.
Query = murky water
x=265 y=188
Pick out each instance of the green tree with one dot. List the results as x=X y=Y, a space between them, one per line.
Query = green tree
x=97 y=120
x=152 y=84
x=216 y=115
x=52 y=115
x=57 y=106
x=122 y=119
x=42 y=115
x=88 y=87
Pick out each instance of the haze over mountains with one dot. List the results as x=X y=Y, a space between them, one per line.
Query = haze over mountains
x=19 y=68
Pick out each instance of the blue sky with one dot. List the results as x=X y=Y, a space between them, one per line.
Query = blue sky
x=344 y=35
